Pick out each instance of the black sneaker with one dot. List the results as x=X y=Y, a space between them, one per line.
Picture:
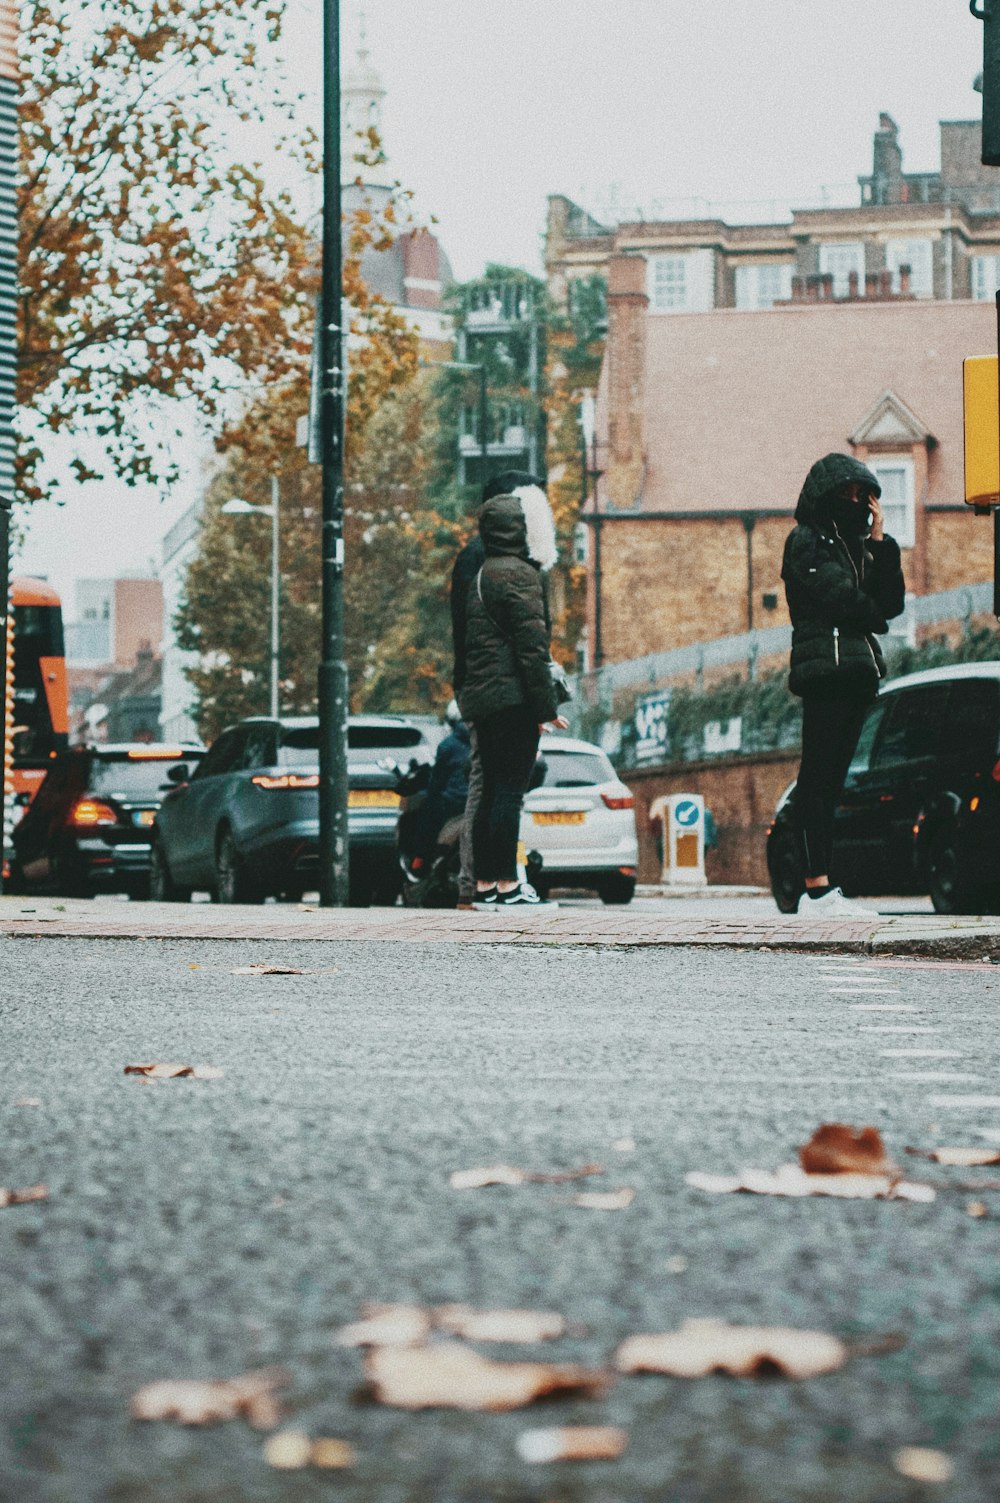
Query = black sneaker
x=486 y=899
x=522 y=896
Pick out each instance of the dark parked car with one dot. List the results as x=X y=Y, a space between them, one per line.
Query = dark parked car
x=246 y=827
x=88 y=828
x=920 y=812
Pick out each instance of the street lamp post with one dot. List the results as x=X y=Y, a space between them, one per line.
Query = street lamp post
x=240 y=508
x=333 y=704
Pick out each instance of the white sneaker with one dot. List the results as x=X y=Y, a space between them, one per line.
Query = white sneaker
x=832 y=904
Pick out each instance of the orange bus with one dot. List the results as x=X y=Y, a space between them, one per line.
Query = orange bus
x=36 y=683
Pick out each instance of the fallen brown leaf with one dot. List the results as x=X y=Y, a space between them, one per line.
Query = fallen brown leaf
x=332 y=1454
x=959 y=1158
x=836 y=1148
x=23 y=1197
x=260 y=969
x=503 y=1174
x=791 y=1180
x=605 y=1200
x=450 y=1376
x=175 y=1072
x=976 y=1208
x=410 y=1325
x=499 y=1325
x=197 y=1401
x=387 y=1325
x=288 y=1450
x=572 y=1443
x=701 y=1347
x=923 y=1465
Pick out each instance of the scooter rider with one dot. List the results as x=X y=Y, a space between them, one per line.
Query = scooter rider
x=843 y=583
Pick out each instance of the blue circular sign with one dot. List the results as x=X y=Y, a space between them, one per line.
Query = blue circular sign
x=686 y=813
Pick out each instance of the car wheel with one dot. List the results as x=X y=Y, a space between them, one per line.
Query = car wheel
x=616 y=888
x=785 y=869
x=162 y=887
x=948 y=886
x=233 y=883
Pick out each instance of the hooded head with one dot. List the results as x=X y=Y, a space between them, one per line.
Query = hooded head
x=518 y=521
x=825 y=496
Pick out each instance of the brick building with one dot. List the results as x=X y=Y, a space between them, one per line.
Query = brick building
x=737 y=354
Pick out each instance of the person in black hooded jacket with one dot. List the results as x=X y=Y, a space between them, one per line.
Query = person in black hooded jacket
x=507 y=691
x=843 y=583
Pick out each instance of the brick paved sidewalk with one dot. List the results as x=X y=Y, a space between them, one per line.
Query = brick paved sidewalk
x=915 y=934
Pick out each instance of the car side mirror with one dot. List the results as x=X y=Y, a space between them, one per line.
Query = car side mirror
x=179 y=773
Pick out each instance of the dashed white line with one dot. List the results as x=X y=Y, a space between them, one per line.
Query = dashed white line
x=882 y=1007
x=974 y=1101
x=920 y=1053
x=928 y=1075
x=896 y=1028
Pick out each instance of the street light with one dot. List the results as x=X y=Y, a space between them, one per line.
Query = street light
x=240 y=508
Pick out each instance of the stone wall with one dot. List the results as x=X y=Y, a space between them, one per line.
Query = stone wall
x=741 y=793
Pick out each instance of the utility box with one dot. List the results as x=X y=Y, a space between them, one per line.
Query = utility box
x=683 y=819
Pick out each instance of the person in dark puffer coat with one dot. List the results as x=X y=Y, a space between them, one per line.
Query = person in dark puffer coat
x=507 y=691
x=843 y=583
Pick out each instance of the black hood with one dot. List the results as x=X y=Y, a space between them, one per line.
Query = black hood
x=827 y=476
x=502 y=527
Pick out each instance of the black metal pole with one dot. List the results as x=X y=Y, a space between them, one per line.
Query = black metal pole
x=749 y=523
x=333 y=699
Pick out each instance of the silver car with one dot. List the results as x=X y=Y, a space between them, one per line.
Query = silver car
x=581 y=821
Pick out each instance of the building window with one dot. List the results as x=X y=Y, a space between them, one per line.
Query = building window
x=763 y=286
x=918 y=255
x=682 y=283
x=895 y=476
x=985 y=278
x=839 y=260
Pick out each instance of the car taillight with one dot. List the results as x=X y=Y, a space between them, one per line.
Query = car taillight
x=88 y=812
x=618 y=800
x=996 y=772
x=287 y=780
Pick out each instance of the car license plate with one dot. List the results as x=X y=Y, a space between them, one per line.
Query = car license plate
x=372 y=798
x=559 y=817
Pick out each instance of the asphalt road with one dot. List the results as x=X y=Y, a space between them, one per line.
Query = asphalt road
x=198 y=1229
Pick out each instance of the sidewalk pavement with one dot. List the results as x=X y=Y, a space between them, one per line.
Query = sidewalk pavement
x=928 y=935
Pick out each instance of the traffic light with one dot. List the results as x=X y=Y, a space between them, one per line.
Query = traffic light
x=988 y=11
x=981 y=395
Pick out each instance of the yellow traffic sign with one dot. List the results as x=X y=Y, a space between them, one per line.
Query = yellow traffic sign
x=982 y=430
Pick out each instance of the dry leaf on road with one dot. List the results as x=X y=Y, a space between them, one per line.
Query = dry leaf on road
x=791 y=1180
x=175 y=1072
x=837 y=1148
x=23 y=1197
x=923 y=1465
x=503 y=1174
x=260 y=969
x=387 y=1325
x=410 y=1325
x=290 y=1450
x=959 y=1158
x=976 y=1208
x=701 y=1347
x=572 y=1443
x=198 y=1401
x=526 y=1326
x=332 y=1454
x=605 y=1200
x=451 y=1376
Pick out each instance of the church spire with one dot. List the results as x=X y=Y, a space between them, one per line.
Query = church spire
x=362 y=93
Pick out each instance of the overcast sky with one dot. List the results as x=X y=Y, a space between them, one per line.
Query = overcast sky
x=493 y=104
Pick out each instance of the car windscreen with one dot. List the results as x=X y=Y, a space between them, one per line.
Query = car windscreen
x=575 y=769
x=365 y=743
x=134 y=779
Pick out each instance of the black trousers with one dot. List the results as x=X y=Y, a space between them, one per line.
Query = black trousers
x=831 y=724
x=508 y=746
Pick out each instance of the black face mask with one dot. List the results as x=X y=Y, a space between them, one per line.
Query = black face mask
x=852 y=518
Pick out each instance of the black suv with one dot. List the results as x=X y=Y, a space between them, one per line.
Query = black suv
x=89 y=826
x=920 y=811
x=247 y=824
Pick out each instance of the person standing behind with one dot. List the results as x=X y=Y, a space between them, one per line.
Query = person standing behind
x=507 y=692
x=843 y=583
x=466 y=567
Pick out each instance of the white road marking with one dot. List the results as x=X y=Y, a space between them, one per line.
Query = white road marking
x=927 y=1075
x=896 y=1028
x=974 y=1101
x=881 y=1007
x=865 y=991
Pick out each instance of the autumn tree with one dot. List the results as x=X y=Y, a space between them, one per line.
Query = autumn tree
x=153 y=265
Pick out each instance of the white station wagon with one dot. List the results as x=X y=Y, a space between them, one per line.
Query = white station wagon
x=581 y=821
